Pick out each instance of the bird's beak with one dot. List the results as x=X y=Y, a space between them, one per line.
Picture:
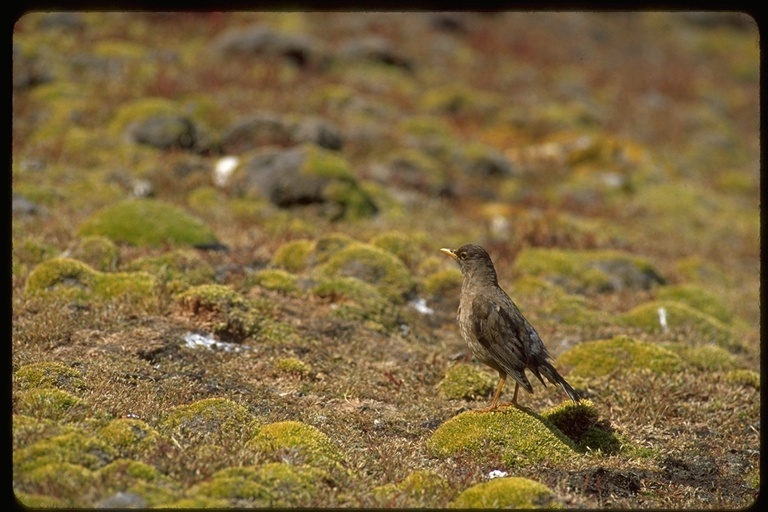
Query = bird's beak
x=449 y=253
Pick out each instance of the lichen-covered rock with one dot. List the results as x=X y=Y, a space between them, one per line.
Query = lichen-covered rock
x=304 y=175
x=298 y=442
x=519 y=438
x=215 y=421
x=463 y=381
x=258 y=40
x=508 y=492
x=73 y=280
x=594 y=359
x=588 y=271
x=148 y=222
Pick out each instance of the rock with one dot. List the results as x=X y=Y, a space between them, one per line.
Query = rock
x=265 y=129
x=22 y=206
x=376 y=49
x=122 y=500
x=305 y=175
x=260 y=40
x=165 y=132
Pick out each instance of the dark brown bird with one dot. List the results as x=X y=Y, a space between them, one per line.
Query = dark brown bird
x=495 y=330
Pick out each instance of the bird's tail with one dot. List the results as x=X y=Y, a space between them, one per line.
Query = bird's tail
x=552 y=376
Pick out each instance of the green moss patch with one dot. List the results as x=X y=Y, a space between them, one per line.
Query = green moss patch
x=421 y=488
x=271 y=485
x=130 y=437
x=215 y=421
x=49 y=375
x=221 y=309
x=293 y=256
x=697 y=298
x=519 y=438
x=509 y=492
x=599 y=358
x=184 y=266
x=355 y=300
x=148 y=222
x=299 y=442
x=293 y=366
x=99 y=252
x=745 y=377
x=73 y=448
x=372 y=265
x=464 y=381
x=74 y=280
x=277 y=280
x=710 y=358
x=72 y=484
x=50 y=403
x=588 y=271
x=135 y=477
x=695 y=327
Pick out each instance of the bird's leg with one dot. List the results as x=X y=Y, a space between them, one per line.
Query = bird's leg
x=493 y=406
x=514 y=397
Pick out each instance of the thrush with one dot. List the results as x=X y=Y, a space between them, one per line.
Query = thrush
x=495 y=330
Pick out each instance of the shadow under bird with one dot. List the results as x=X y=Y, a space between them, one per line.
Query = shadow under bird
x=495 y=330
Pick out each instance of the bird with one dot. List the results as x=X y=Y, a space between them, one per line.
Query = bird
x=496 y=331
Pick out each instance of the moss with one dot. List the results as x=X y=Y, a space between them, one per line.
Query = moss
x=581 y=423
x=49 y=375
x=356 y=300
x=464 y=381
x=297 y=441
x=73 y=448
x=184 y=266
x=342 y=188
x=271 y=485
x=28 y=430
x=197 y=502
x=50 y=403
x=70 y=483
x=148 y=222
x=73 y=280
x=697 y=298
x=97 y=251
x=222 y=309
x=509 y=492
x=215 y=421
x=130 y=113
x=519 y=438
x=696 y=327
x=31 y=251
x=138 y=478
x=745 y=378
x=327 y=246
x=39 y=501
x=293 y=256
x=443 y=282
x=710 y=358
x=587 y=271
x=276 y=279
x=293 y=366
x=421 y=488
x=405 y=247
x=130 y=437
x=599 y=358
x=372 y=265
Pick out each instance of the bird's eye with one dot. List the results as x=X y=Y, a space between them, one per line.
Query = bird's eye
x=463 y=255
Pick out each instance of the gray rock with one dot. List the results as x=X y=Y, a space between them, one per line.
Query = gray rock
x=267 y=129
x=122 y=500
x=260 y=40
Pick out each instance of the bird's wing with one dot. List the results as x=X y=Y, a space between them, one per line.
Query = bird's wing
x=506 y=334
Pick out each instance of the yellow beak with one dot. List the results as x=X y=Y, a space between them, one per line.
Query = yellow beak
x=449 y=253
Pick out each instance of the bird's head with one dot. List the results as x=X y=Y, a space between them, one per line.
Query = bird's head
x=474 y=262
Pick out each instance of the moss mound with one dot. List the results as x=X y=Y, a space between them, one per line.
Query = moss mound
x=421 y=488
x=148 y=222
x=49 y=375
x=464 y=381
x=298 y=442
x=293 y=256
x=581 y=423
x=221 y=309
x=50 y=403
x=371 y=265
x=588 y=271
x=130 y=437
x=277 y=280
x=180 y=268
x=620 y=354
x=74 y=280
x=695 y=327
x=271 y=485
x=698 y=298
x=509 y=492
x=215 y=421
x=517 y=437
x=140 y=479
x=99 y=252
x=73 y=448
